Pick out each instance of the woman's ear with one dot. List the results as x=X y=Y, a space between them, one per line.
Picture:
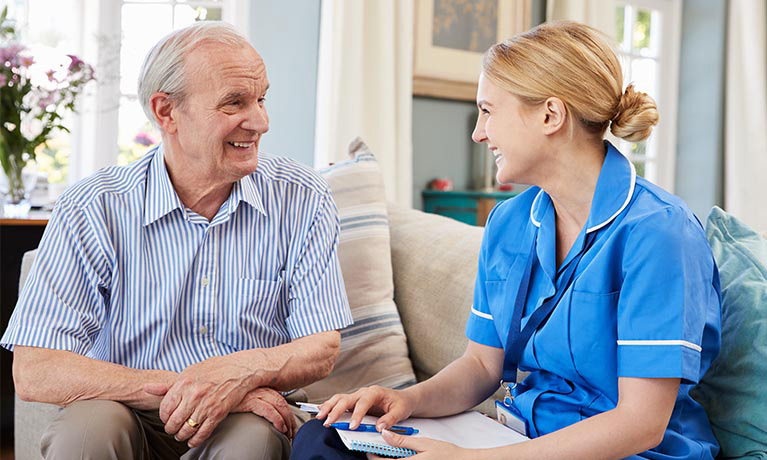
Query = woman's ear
x=162 y=108
x=555 y=115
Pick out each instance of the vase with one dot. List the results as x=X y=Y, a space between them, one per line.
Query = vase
x=16 y=201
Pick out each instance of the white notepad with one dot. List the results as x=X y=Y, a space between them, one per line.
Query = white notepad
x=470 y=430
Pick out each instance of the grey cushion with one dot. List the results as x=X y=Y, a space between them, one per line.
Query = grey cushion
x=30 y=419
x=434 y=259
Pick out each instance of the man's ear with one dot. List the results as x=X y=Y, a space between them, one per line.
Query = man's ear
x=555 y=115
x=162 y=108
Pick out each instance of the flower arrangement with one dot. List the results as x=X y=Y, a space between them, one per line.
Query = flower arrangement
x=32 y=102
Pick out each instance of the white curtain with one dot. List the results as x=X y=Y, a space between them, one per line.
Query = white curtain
x=745 y=149
x=364 y=87
x=599 y=14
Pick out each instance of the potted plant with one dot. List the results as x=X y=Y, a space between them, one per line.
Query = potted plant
x=33 y=101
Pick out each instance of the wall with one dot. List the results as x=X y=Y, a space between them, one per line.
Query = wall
x=286 y=33
x=442 y=145
x=699 y=171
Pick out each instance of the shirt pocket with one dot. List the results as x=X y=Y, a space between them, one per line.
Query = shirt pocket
x=256 y=308
x=593 y=335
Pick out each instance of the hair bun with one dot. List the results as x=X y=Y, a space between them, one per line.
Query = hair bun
x=635 y=117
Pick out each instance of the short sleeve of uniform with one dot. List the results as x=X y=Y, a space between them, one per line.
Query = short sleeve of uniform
x=667 y=299
x=317 y=294
x=62 y=304
x=480 y=327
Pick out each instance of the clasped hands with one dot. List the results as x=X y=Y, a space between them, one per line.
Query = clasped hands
x=201 y=396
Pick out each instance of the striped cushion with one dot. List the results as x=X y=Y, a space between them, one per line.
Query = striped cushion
x=373 y=349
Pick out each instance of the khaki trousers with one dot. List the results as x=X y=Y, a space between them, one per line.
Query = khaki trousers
x=110 y=430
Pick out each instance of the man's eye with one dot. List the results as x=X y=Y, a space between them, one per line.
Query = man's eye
x=234 y=103
x=261 y=100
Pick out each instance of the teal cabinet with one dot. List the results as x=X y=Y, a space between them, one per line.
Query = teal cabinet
x=471 y=207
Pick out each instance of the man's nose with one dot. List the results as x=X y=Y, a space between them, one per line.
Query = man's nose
x=257 y=120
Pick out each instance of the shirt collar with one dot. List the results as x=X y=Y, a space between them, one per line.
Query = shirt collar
x=615 y=187
x=162 y=199
x=246 y=190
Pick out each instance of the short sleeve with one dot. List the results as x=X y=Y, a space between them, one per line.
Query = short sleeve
x=317 y=294
x=668 y=295
x=63 y=302
x=480 y=326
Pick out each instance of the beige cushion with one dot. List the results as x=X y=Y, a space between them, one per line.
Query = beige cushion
x=373 y=349
x=435 y=260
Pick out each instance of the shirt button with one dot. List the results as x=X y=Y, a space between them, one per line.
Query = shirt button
x=205 y=282
x=202 y=330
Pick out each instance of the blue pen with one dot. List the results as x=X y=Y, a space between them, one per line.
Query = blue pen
x=404 y=430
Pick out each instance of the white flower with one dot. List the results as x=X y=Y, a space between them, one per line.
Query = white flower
x=31 y=128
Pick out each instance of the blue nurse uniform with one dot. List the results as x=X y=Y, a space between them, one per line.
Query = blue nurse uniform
x=645 y=302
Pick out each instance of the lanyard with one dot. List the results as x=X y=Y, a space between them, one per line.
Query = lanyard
x=517 y=340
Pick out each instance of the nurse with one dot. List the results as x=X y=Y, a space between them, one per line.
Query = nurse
x=597 y=282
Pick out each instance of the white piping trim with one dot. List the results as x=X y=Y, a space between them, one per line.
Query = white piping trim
x=532 y=208
x=625 y=203
x=480 y=314
x=683 y=343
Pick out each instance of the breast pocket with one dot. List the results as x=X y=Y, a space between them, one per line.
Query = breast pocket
x=501 y=293
x=257 y=306
x=593 y=334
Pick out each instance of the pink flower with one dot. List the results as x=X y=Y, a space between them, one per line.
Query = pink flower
x=144 y=139
x=10 y=54
x=50 y=74
x=26 y=61
x=47 y=100
x=76 y=63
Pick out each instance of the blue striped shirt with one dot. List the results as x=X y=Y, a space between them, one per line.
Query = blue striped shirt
x=126 y=273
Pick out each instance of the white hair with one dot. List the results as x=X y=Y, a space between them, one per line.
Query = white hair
x=163 y=70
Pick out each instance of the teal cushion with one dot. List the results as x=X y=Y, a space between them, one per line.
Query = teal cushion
x=734 y=390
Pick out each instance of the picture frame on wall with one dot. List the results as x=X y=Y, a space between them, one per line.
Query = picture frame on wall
x=452 y=35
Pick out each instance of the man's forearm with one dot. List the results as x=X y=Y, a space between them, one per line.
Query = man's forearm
x=62 y=377
x=294 y=364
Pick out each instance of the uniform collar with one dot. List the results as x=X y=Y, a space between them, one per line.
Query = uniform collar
x=615 y=187
x=162 y=199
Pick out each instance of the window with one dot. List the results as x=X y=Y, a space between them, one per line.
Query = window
x=114 y=36
x=648 y=33
x=144 y=23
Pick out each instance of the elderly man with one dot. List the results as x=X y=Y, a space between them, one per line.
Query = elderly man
x=174 y=298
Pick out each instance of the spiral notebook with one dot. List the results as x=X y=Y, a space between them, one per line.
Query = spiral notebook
x=469 y=429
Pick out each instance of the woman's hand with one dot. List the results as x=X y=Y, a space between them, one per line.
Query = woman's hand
x=393 y=405
x=426 y=448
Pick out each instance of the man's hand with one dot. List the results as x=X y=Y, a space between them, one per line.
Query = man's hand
x=270 y=405
x=202 y=396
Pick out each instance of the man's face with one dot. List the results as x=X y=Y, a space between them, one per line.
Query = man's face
x=220 y=124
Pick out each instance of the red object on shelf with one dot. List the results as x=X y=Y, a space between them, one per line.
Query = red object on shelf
x=441 y=183
x=505 y=187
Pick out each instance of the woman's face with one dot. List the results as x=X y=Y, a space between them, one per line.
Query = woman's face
x=508 y=127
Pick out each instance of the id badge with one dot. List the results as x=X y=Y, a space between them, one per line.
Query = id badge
x=510 y=416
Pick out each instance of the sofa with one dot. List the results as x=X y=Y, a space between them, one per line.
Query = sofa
x=428 y=271
x=434 y=262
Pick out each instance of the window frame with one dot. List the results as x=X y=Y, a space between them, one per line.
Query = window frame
x=664 y=138
x=95 y=128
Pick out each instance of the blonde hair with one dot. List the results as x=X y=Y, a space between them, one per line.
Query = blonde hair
x=574 y=63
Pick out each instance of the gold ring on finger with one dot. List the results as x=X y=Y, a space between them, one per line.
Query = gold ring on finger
x=192 y=423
